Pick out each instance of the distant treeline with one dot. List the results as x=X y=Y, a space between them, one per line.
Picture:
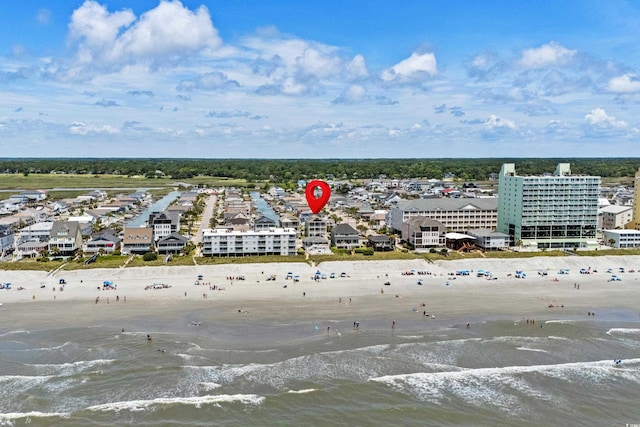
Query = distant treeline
x=292 y=170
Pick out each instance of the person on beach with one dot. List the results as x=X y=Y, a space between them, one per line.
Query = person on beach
x=149 y=337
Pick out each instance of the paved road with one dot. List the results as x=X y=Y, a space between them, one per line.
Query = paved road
x=207 y=214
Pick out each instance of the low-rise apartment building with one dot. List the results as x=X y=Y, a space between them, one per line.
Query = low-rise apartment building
x=457 y=215
x=227 y=242
x=614 y=217
x=622 y=238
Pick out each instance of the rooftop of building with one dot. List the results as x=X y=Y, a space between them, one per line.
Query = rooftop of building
x=447 y=204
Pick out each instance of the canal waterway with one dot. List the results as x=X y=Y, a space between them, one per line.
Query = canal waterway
x=157 y=206
x=263 y=207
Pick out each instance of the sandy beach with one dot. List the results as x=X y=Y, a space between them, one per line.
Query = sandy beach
x=361 y=293
x=337 y=351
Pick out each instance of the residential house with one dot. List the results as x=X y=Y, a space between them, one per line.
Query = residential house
x=188 y=197
x=181 y=208
x=163 y=224
x=277 y=192
x=424 y=233
x=12 y=221
x=174 y=243
x=235 y=214
x=316 y=226
x=289 y=221
x=380 y=242
x=31 y=216
x=344 y=236
x=239 y=222
x=316 y=245
x=489 y=240
x=365 y=212
x=30 y=196
x=30 y=249
x=139 y=196
x=59 y=206
x=377 y=221
x=137 y=240
x=85 y=221
x=459 y=241
x=7 y=240
x=104 y=242
x=38 y=232
x=264 y=223
x=66 y=238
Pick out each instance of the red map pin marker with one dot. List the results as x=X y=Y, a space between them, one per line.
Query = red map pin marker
x=316 y=203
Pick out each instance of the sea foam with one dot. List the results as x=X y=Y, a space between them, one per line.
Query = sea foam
x=196 y=401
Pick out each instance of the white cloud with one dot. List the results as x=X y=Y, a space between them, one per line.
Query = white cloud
x=599 y=119
x=546 y=55
x=495 y=122
x=355 y=94
x=79 y=128
x=292 y=66
x=209 y=81
x=317 y=64
x=358 y=68
x=169 y=29
x=412 y=68
x=96 y=27
x=627 y=83
x=164 y=32
x=480 y=61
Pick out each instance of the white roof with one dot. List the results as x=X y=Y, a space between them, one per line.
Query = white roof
x=455 y=236
x=622 y=232
x=39 y=226
x=615 y=208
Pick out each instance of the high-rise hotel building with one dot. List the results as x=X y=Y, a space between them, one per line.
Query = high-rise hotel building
x=554 y=211
x=635 y=221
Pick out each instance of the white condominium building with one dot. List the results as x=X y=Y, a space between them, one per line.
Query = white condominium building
x=549 y=211
x=228 y=242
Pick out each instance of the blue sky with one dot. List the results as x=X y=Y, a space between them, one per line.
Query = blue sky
x=319 y=79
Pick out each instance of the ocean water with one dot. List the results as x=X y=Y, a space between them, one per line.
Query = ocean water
x=498 y=372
